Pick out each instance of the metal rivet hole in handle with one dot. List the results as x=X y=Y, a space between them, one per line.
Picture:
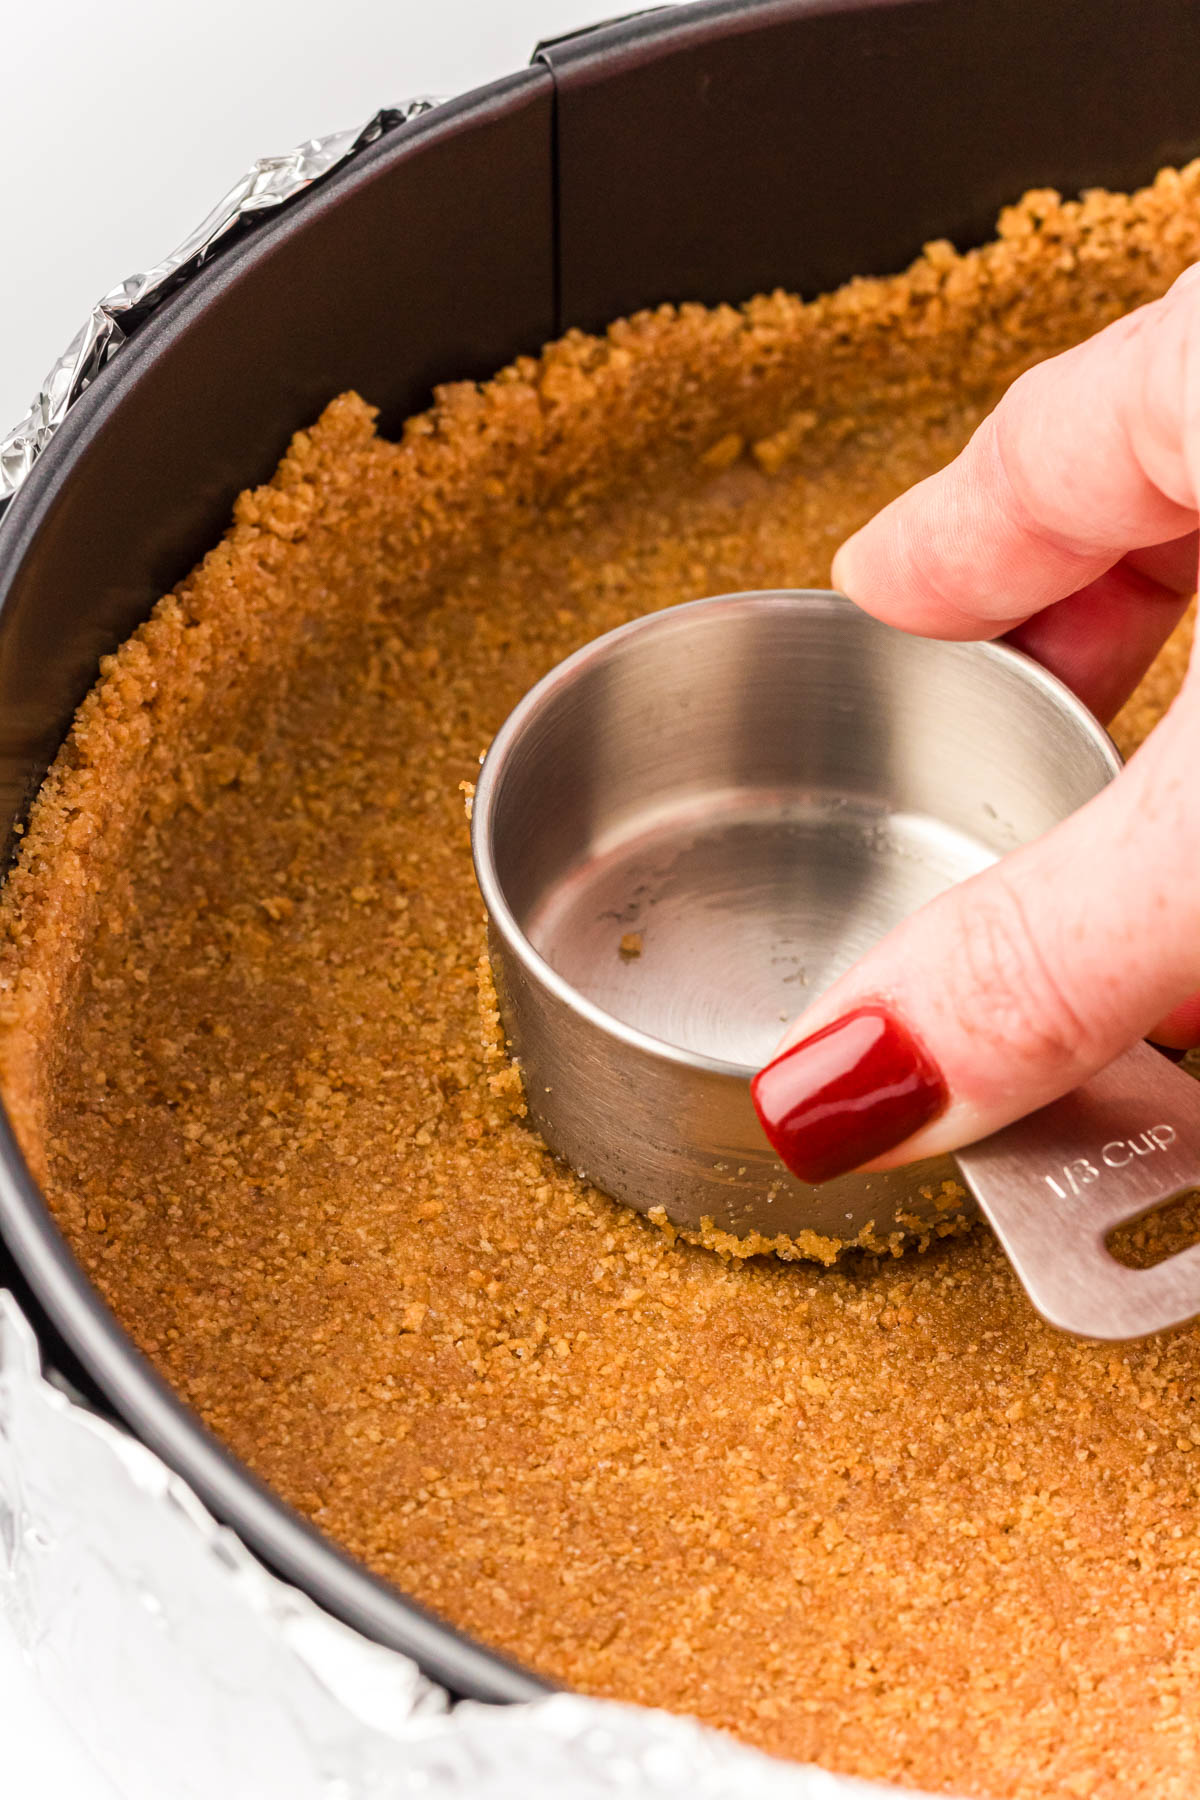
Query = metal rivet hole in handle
x=1163 y=1231
x=1055 y=1186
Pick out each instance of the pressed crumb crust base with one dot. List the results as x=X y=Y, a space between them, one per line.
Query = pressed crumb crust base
x=875 y=1515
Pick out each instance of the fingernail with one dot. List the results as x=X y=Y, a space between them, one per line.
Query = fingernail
x=847 y=1094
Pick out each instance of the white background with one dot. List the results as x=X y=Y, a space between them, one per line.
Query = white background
x=120 y=128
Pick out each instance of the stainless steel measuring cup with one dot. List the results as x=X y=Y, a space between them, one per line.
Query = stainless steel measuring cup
x=692 y=826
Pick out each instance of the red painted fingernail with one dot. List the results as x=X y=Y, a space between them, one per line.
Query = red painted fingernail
x=846 y=1094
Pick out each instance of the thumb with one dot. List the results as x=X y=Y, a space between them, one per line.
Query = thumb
x=1009 y=989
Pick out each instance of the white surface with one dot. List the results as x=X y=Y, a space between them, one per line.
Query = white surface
x=126 y=126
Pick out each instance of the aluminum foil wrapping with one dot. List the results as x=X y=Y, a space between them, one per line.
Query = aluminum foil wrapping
x=265 y=187
x=183 y=1667
x=187 y=1670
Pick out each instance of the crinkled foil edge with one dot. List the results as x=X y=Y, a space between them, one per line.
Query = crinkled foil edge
x=269 y=184
x=184 y=1667
x=179 y=1662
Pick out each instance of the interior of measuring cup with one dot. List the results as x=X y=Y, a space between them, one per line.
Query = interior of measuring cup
x=708 y=816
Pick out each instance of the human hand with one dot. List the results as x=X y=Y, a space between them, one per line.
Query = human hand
x=1068 y=525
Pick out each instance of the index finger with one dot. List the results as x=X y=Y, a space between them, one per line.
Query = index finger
x=1085 y=458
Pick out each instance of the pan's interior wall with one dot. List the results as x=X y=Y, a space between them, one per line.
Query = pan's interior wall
x=731 y=148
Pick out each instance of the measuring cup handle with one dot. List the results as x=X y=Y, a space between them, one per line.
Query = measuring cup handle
x=1053 y=1186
